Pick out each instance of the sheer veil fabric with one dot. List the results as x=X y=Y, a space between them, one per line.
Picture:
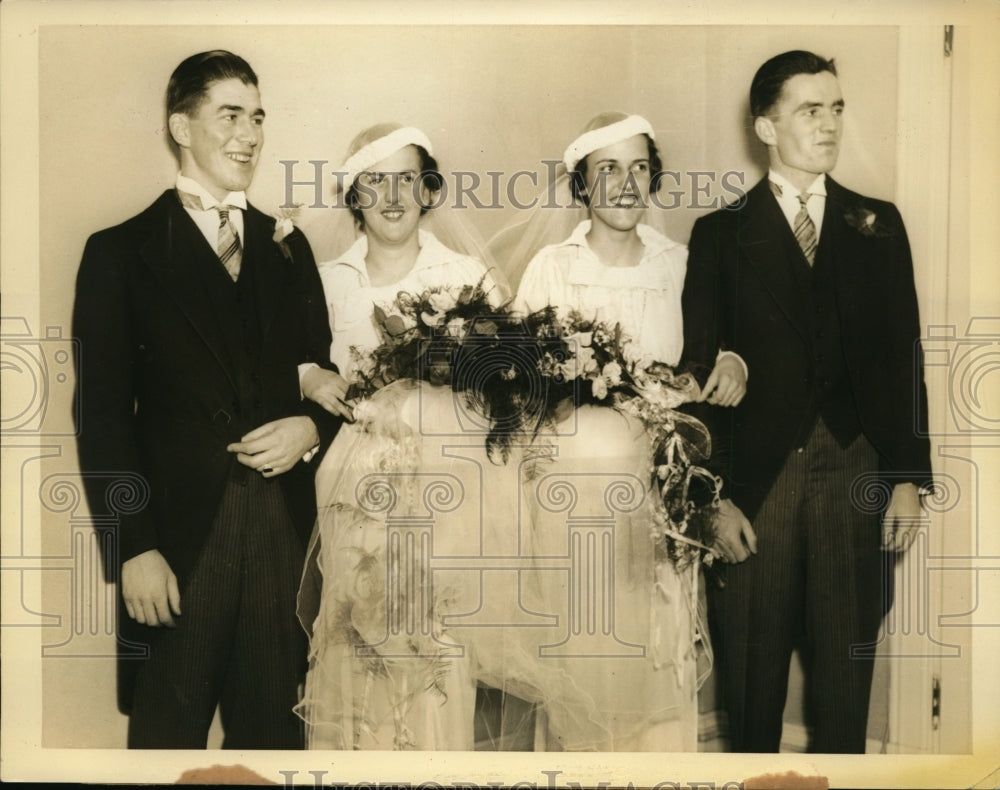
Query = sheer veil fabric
x=553 y=216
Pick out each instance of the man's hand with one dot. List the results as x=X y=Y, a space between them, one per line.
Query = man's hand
x=735 y=539
x=149 y=589
x=328 y=389
x=902 y=518
x=275 y=447
x=727 y=383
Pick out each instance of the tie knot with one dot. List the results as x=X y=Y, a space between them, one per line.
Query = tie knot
x=223 y=214
x=804 y=198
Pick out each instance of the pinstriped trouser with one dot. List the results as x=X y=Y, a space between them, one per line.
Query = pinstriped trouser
x=237 y=642
x=815 y=582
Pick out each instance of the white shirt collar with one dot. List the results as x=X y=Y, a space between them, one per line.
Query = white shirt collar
x=432 y=252
x=654 y=241
x=192 y=187
x=818 y=186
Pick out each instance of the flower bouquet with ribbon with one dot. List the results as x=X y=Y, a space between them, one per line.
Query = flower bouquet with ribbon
x=523 y=373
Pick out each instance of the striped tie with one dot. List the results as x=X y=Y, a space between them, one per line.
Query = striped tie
x=229 y=248
x=805 y=230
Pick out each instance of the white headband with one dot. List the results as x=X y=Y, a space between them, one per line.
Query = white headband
x=588 y=142
x=380 y=149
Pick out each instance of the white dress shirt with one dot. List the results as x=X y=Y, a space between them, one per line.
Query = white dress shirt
x=789 y=200
x=207 y=219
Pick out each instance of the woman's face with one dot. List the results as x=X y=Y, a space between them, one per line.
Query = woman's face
x=391 y=195
x=618 y=178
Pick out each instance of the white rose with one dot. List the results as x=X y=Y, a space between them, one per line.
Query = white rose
x=613 y=373
x=580 y=339
x=585 y=359
x=441 y=301
x=282 y=228
x=432 y=320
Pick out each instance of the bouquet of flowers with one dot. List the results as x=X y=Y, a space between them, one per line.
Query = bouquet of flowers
x=526 y=372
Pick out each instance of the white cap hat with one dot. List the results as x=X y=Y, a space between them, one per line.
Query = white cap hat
x=377 y=143
x=606 y=129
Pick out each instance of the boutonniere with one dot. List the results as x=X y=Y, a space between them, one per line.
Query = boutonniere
x=284 y=224
x=866 y=222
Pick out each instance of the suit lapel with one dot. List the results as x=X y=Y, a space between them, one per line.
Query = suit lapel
x=842 y=246
x=270 y=265
x=763 y=237
x=177 y=253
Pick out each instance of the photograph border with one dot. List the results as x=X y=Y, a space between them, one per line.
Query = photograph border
x=24 y=758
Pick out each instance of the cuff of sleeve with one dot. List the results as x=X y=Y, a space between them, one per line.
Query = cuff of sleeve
x=311 y=453
x=304 y=368
x=924 y=486
x=721 y=354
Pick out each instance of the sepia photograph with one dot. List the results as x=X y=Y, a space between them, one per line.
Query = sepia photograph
x=550 y=395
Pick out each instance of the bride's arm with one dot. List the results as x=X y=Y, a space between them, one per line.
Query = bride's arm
x=328 y=389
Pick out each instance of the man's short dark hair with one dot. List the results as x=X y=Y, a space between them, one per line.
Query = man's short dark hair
x=770 y=79
x=191 y=80
x=429 y=177
x=578 y=175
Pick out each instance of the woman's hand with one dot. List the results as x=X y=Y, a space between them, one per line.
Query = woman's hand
x=329 y=390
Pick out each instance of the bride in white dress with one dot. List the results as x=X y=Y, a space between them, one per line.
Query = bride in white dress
x=635 y=635
x=383 y=672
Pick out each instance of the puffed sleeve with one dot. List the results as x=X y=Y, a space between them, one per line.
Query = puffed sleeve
x=543 y=283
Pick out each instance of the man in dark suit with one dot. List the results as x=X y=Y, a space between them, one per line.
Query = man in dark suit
x=812 y=285
x=192 y=319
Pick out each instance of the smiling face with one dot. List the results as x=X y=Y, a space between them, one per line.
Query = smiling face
x=618 y=178
x=220 y=143
x=391 y=197
x=803 y=129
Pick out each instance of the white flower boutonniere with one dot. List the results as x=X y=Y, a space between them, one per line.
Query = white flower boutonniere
x=282 y=228
x=866 y=222
x=284 y=224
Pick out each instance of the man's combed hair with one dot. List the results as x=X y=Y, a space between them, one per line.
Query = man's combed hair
x=191 y=80
x=770 y=79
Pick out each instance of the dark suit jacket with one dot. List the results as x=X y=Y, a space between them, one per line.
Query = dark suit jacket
x=156 y=388
x=742 y=293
